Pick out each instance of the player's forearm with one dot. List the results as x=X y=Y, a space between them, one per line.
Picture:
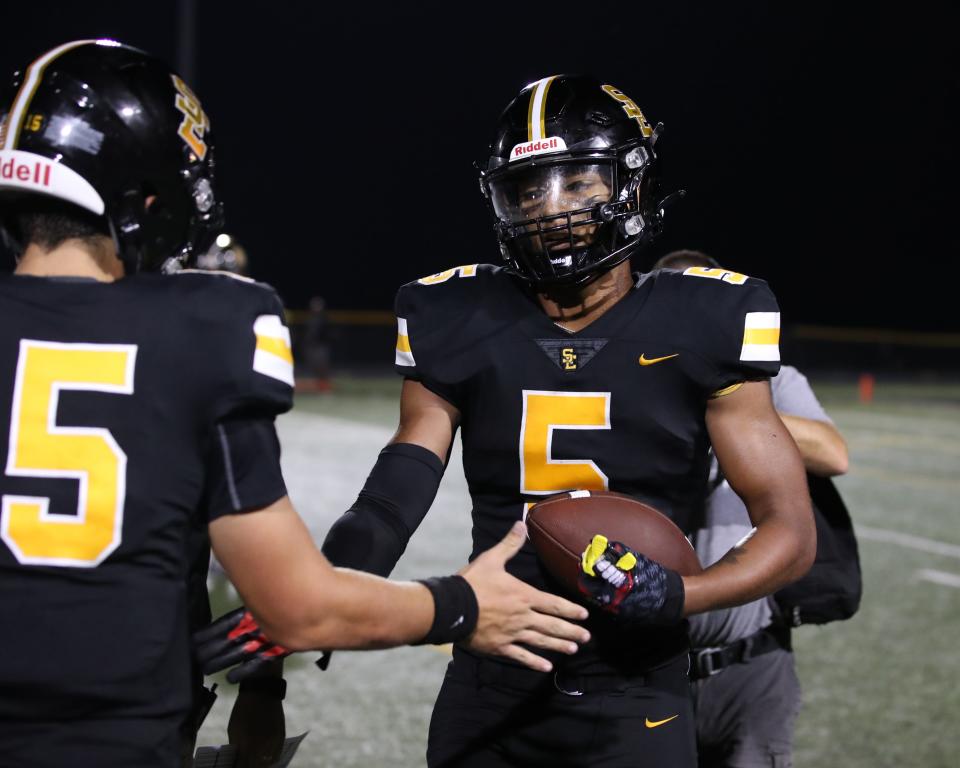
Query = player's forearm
x=372 y=535
x=822 y=447
x=300 y=600
x=780 y=551
x=357 y=610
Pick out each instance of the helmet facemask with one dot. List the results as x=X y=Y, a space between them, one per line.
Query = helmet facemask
x=564 y=222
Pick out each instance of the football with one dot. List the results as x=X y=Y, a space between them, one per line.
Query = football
x=562 y=526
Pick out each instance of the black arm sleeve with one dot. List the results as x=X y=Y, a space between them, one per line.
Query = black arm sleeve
x=373 y=534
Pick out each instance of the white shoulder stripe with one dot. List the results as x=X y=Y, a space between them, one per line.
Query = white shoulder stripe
x=762 y=320
x=272 y=355
x=404 y=354
x=761 y=337
x=760 y=353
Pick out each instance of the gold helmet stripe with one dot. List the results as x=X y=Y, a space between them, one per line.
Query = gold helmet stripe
x=10 y=131
x=537 y=110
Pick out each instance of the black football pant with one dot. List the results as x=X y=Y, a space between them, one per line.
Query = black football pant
x=119 y=743
x=489 y=715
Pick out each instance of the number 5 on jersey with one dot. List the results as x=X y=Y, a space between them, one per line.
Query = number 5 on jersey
x=544 y=412
x=40 y=448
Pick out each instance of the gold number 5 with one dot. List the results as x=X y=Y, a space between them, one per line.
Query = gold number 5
x=40 y=448
x=543 y=412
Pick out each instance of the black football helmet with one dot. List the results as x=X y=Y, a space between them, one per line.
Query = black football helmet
x=111 y=129
x=572 y=180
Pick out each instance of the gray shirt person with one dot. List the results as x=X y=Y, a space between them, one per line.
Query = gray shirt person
x=746 y=711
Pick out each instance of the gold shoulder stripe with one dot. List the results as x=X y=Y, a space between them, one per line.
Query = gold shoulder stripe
x=276 y=347
x=404 y=354
x=272 y=355
x=727 y=390
x=761 y=337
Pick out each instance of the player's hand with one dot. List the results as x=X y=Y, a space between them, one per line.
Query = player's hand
x=513 y=612
x=629 y=584
x=235 y=639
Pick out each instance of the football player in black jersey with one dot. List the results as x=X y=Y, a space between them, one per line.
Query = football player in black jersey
x=562 y=371
x=138 y=403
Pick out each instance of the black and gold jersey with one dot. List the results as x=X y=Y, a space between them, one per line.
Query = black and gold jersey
x=618 y=406
x=126 y=416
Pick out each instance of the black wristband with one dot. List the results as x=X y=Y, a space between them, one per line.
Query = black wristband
x=455 y=610
x=274 y=687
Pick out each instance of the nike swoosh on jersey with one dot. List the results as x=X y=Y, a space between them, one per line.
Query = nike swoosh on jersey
x=651 y=360
x=654 y=723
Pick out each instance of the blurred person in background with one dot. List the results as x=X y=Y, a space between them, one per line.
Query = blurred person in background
x=313 y=343
x=745 y=686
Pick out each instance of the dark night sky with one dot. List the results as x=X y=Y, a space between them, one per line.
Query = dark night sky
x=818 y=146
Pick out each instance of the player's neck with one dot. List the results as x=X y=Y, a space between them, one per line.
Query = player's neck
x=70 y=259
x=576 y=308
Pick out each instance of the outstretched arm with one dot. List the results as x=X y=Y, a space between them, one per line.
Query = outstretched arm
x=303 y=602
x=373 y=534
x=762 y=464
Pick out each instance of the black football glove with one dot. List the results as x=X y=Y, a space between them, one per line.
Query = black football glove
x=235 y=639
x=629 y=584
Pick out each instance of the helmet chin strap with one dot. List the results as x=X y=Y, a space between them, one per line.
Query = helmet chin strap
x=125 y=233
x=579 y=279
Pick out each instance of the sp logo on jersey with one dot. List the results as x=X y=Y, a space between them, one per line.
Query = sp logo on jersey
x=570 y=355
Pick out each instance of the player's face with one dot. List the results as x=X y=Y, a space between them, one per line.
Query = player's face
x=548 y=193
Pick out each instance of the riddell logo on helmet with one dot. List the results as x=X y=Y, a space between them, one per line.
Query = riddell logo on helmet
x=538 y=147
x=31 y=173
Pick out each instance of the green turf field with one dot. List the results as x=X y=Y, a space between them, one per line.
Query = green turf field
x=880 y=690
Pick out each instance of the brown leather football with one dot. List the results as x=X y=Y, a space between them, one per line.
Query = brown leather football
x=562 y=526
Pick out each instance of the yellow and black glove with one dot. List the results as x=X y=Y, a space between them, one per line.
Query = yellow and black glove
x=630 y=585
